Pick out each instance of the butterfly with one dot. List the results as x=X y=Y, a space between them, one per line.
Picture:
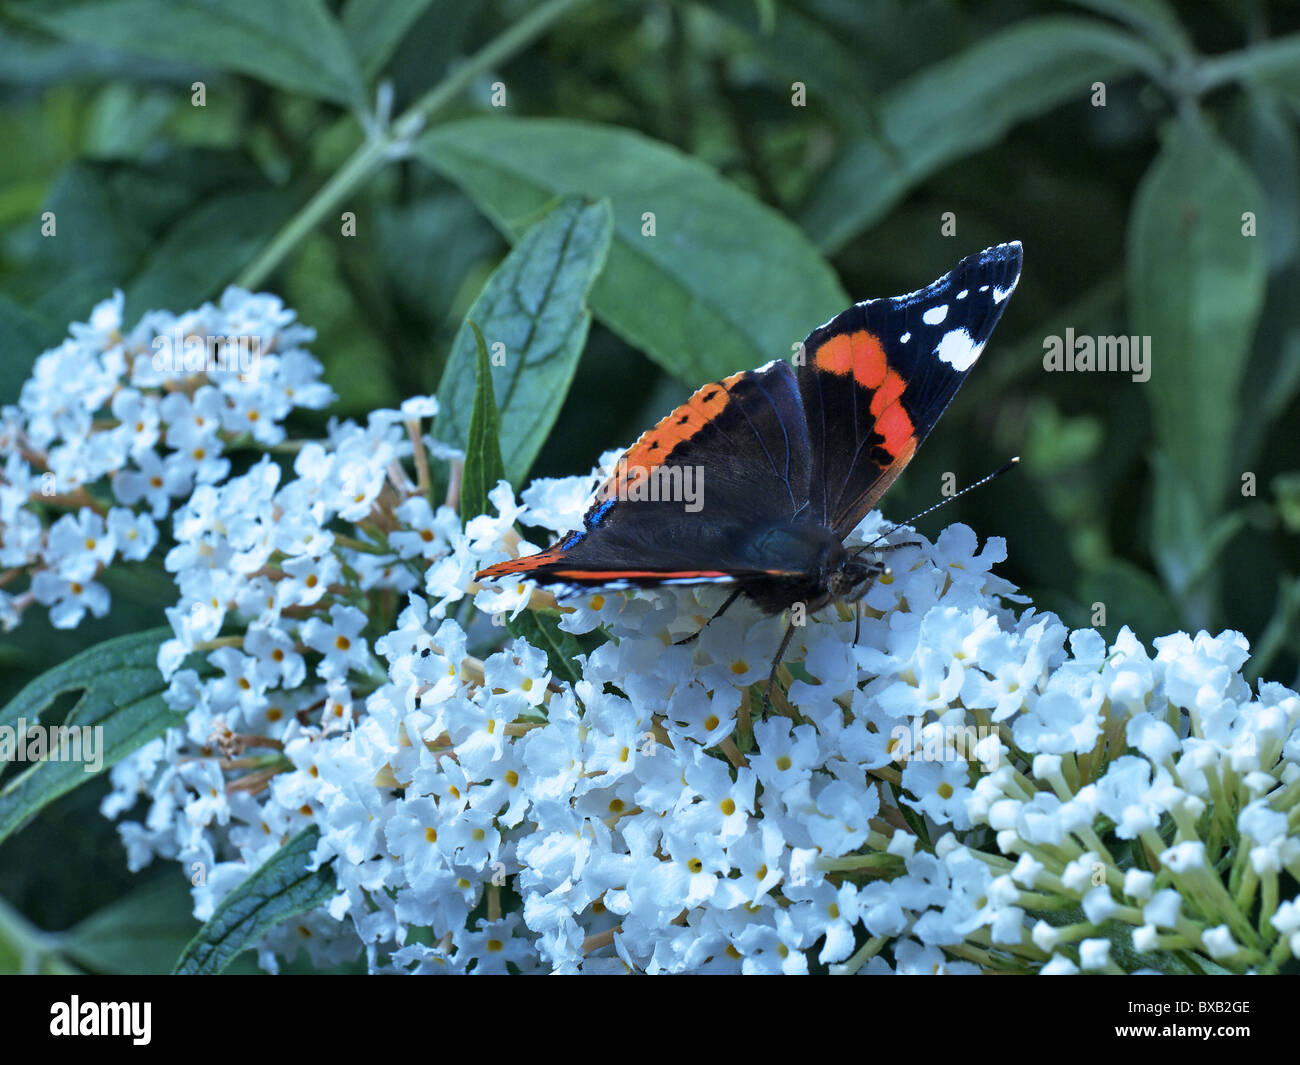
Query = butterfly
x=756 y=480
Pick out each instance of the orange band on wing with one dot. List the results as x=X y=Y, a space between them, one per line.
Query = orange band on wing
x=858 y=353
x=655 y=445
x=521 y=565
x=896 y=427
x=887 y=394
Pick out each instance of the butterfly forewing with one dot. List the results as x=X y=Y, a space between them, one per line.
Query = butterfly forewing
x=875 y=379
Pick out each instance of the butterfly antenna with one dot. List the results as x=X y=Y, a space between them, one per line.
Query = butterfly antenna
x=1006 y=467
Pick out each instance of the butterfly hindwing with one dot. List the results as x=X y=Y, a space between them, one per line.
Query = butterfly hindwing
x=875 y=379
x=732 y=459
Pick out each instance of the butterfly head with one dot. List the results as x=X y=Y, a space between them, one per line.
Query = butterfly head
x=853 y=575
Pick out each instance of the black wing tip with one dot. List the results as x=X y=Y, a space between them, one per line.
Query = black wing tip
x=999 y=265
x=1006 y=258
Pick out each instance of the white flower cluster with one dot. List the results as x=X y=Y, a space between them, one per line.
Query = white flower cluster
x=651 y=822
x=943 y=785
x=112 y=405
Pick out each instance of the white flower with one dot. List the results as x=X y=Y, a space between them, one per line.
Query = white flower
x=1219 y=942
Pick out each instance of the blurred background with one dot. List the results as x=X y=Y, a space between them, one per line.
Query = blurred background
x=1144 y=152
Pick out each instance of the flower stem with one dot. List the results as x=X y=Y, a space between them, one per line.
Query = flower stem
x=385 y=144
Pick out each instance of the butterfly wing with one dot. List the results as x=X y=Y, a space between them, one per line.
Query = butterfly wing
x=740 y=446
x=875 y=379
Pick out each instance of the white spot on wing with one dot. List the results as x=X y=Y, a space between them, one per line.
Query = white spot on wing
x=958 y=349
x=963 y=294
x=935 y=315
x=999 y=294
x=905 y=338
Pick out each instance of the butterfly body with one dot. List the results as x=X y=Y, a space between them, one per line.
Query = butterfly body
x=756 y=480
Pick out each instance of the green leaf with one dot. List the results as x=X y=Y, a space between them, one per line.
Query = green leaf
x=30 y=57
x=282 y=888
x=293 y=44
x=1286 y=493
x=23 y=336
x=1274 y=380
x=483 y=467
x=1131 y=596
x=1280 y=632
x=1271 y=150
x=1186 y=541
x=724 y=283
x=26 y=950
x=141 y=933
x=1270 y=64
x=375 y=28
x=1196 y=285
x=1154 y=19
x=961 y=105
x=121 y=700
x=800 y=47
x=429 y=286
x=1178 y=519
x=205 y=250
x=146 y=228
x=533 y=314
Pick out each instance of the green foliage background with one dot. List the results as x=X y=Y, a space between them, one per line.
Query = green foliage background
x=770 y=217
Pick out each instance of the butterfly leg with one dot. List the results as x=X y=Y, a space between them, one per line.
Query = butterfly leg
x=776 y=661
x=716 y=614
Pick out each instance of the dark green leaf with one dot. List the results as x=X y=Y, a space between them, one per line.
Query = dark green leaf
x=1154 y=19
x=724 y=284
x=1186 y=542
x=294 y=44
x=961 y=105
x=483 y=466
x=1196 y=284
x=802 y=49
x=426 y=284
x=1178 y=517
x=23 y=336
x=122 y=700
x=282 y=888
x=1271 y=64
x=32 y=58
x=1281 y=629
x=1270 y=149
x=374 y=28
x=533 y=314
x=141 y=933
x=1131 y=596
x=205 y=250
x=1286 y=491
x=122 y=224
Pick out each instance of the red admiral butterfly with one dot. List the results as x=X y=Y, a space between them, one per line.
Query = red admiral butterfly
x=790 y=462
